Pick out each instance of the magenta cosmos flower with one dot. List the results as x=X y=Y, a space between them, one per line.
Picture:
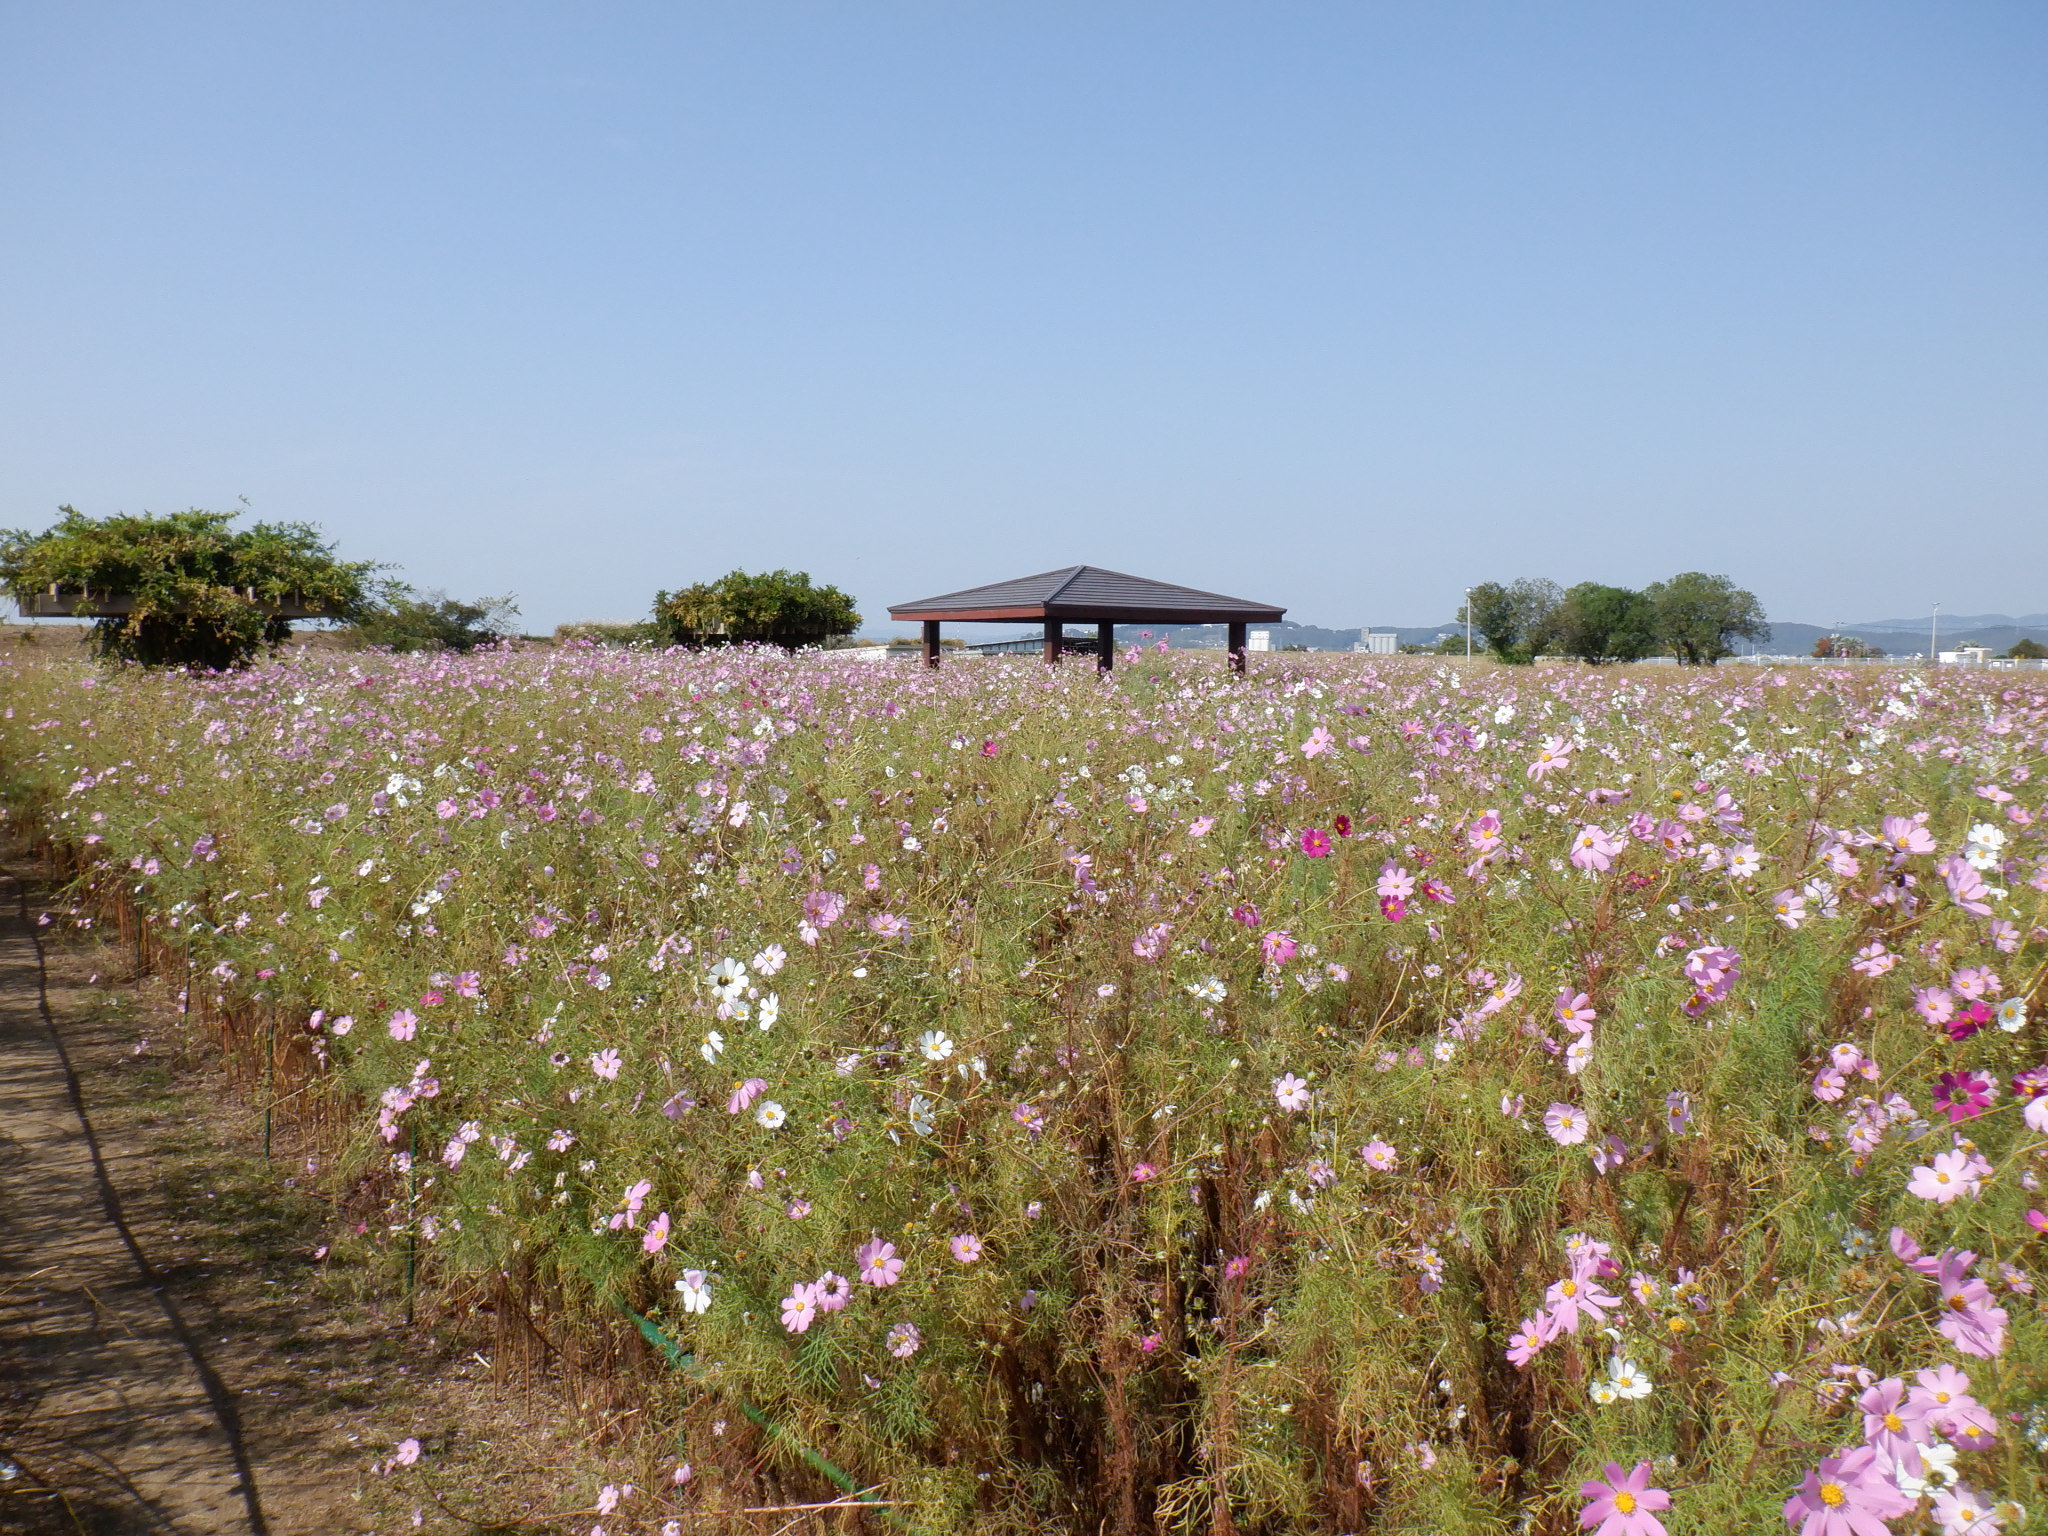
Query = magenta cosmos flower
x=1277 y=947
x=1623 y=1505
x=878 y=1263
x=1963 y=1095
x=1315 y=842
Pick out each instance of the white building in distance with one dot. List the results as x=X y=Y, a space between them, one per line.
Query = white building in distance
x=1380 y=643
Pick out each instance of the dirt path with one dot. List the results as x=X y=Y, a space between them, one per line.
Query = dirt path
x=110 y=1397
x=194 y=1340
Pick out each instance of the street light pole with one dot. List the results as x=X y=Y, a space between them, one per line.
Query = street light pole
x=1934 y=639
x=1468 y=623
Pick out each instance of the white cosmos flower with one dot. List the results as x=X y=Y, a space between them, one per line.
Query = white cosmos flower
x=1629 y=1379
x=936 y=1045
x=771 y=1115
x=728 y=978
x=713 y=1044
x=1743 y=863
x=771 y=1010
x=695 y=1291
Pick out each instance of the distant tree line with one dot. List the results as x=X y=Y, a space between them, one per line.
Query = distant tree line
x=1694 y=617
x=187 y=589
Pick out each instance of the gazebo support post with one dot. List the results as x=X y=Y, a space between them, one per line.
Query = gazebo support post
x=1105 y=645
x=1055 y=641
x=931 y=642
x=1235 y=646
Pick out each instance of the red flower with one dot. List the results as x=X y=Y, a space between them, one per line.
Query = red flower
x=1342 y=824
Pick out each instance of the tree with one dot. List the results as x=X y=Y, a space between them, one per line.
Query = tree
x=1846 y=648
x=196 y=593
x=2027 y=649
x=1598 y=624
x=434 y=621
x=1700 y=616
x=779 y=608
x=1513 y=621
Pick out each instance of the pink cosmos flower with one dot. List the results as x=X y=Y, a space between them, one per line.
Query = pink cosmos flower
x=833 y=1291
x=1143 y=1173
x=1483 y=833
x=966 y=1247
x=1951 y=1174
x=1934 y=1004
x=1891 y=1426
x=878 y=1263
x=1941 y=1393
x=1576 y=1298
x=1554 y=754
x=1200 y=826
x=1291 y=1093
x=1966 y=887
x=605 y=1064
x=657 y=1234
x=1713 y=972
x=1238 y=1267
x=1277 y=947
x=1847 y=1495
x=1394 y=882
x=889 y=925
x=1315 y=842
x=1574 y=1010
x=1319 y=741
x=823 y=908
x=408 y=1452
x=800 y=1307
x=1150 y=944
x=1963 y=1511
x=1904 y=836
x=1379 y=1156
x=1530 y=1335
x=1789 y=907
x=745 y=1094
x=1623 y=1505
x=1566 y=1124
x=1874 y=960
x=404 y=1024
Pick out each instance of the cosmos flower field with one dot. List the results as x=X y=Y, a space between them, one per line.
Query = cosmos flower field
x=1363 y=1096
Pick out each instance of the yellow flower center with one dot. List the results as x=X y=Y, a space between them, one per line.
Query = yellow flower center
x=1941 y=1397
x=1831 y=1494
x=1570 y=1287
x=1941 y=1178
x=1625 y=1503
x=1957 y=1303
x=1894 y=1423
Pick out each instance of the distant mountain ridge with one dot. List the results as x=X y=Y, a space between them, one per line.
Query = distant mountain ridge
x=1960 y=621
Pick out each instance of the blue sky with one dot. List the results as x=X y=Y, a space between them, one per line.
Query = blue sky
x=1339 y=306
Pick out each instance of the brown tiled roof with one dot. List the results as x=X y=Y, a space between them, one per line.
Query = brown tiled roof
x=1084 y=593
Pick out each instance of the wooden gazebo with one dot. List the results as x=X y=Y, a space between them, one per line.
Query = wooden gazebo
x=1087 y=594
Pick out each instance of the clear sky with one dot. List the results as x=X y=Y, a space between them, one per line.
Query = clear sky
x=1341 y=306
